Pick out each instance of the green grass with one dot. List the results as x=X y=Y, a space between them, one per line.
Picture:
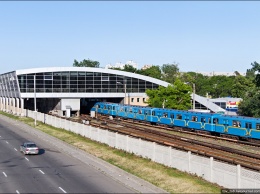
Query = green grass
x=169 y=179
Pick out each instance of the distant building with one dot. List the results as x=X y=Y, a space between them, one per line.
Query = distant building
x=122 y=65
x=146 y=67
x=220 y=73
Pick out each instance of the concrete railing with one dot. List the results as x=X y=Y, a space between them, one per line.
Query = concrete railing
x=223 y=174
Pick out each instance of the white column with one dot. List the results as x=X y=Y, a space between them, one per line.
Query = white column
x=13 y=105
x=22 y=107
x=1 y=103
x=17 y=106
x=4 y=103
x=8 y=105
x=189 y=160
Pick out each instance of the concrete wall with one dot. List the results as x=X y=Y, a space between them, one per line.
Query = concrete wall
x=226 y=175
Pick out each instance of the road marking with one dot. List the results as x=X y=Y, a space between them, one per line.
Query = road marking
x=4 y=174
x=6 y=142
x=41 y=171
x=17 y=192
x=15 y=149
x=27 y=159
x=62 y=190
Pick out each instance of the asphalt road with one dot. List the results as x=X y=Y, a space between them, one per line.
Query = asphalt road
x=59 y=167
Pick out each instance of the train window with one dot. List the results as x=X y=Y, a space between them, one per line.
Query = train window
x=209 y=121
x=153 y=113
x=257 y=126
x=236 y=123
x=179 y=116
x=140 y=111
x=203 y=120
x=105 y=107
x=249 y=125
x=109 y=107
x=215 y=121
x=114 y=108
x=172 y=116
x=194 y=118
x=145 y=112
x=165 y=115
x=130 y=110
x=125 y=109
x=121 y=109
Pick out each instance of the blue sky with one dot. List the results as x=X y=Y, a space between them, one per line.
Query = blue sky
x=198 y=35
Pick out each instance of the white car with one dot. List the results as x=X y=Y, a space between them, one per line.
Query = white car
x=29 y=148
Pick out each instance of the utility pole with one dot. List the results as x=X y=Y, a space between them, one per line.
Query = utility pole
x=35 y=110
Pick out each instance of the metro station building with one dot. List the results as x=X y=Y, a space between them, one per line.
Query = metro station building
x=60 y=90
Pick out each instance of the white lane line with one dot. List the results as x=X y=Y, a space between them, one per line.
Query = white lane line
x=4 y=174
x=41 y=171
x=15 y=149
x=17 y=192
x=7 y=142
x=62 y=190
x=27 y=159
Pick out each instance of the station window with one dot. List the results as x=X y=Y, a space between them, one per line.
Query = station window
x=132 y=99
x=143 y=99
x=48 y=77
x=138 y=100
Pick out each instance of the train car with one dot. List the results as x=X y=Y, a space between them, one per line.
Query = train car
x=202 y=121
x=226 y=125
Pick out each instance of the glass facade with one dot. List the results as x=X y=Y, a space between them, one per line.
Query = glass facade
x=82 y=82
x=8 y=85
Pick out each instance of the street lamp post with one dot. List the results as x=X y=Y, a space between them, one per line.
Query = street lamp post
x=35 y=112
x=124 y=89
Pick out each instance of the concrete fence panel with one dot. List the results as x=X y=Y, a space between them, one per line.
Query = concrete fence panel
x=133 y=145
x=111 y=139
x=121 y=142
x=145 y=149
x=161 y=154
x=224 y=174
x=103 y=136
x=200 y=166
x=179 y=160
x=62 y=123
x=249 y=179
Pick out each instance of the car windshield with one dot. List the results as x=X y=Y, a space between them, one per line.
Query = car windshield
x=31 y=145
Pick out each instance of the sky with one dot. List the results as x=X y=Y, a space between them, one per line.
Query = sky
x=200 y=36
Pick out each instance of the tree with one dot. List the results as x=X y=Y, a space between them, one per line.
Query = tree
x=86 y=63
x=240 y=85
x=176 y=96
x=170 y=72
x=153 y=71
x=256 y=67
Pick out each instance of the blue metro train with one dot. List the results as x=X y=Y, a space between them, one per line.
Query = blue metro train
x=226 y=125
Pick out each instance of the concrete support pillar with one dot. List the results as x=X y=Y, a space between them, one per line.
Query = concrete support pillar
x=13 y=105
x=1 y=103
x=17 y=106
x=8 y=105
x=4 y=103
x=22 y=107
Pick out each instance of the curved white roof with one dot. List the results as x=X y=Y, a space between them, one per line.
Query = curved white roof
x=92 y=69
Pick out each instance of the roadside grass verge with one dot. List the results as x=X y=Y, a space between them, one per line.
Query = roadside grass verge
x=169 y=179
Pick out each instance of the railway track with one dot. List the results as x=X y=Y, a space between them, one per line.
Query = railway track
x=222 y=153
x=180 y=130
